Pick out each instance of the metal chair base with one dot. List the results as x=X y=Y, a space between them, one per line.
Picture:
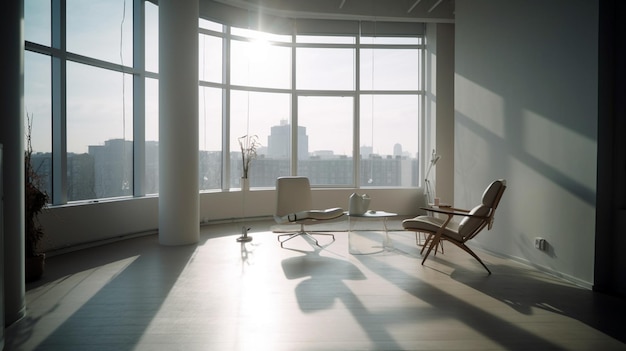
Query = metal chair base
x=304 y=233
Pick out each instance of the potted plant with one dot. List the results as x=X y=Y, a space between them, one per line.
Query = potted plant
x=35 y=201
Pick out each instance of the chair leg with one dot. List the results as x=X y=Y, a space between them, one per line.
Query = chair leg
x=427 y=240
x=434 y=243
x=469 y=251
x=303 y=233
x=310 y=235
x=290 y=236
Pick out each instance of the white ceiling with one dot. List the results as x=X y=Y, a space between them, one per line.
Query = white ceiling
x=379 y=10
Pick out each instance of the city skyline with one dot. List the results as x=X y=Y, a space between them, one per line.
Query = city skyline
x=106 y=171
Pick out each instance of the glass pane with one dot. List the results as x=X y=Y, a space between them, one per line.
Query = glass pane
x=257 y=63
x=37 y=22
x=210 y=61
x=38 y=109
x=390 y=69
x=325 y=69
x=101 y=29
x=389 y=140
x=210 y=25
x=260 y=114
x=328 y=122
x=210 y=138
x=152 y=37
x=152 y=136
x=99 y=132
x=318 y=39
x=263 y=36
x=392 y=40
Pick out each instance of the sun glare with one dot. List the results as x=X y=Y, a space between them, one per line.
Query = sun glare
x=258 y=50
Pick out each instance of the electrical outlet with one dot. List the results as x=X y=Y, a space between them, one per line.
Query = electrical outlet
x=540 y=243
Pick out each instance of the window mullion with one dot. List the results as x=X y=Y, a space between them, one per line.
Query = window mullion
x=294 y=109
x=139 y=103
x=356 y=149
x=59 y=104
x=226 y=165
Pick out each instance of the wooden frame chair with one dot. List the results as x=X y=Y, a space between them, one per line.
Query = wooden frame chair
x=455 y=232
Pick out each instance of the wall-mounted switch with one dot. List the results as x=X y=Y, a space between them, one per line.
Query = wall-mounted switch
x=540 y=243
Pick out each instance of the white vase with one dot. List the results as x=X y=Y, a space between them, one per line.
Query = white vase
x=358 y=204
x=245 y=184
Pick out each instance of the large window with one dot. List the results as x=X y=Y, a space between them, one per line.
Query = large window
x=325 y=69
x=328 y=125
x=258 y=63
x=389 y=143
x=390 y=69
x=210 y=61
x=152 y=136
x=99 y=133
x=37 y=16
x=151 y=29
x=38 y=108
x=210 y=138
x=101 y=29
x=323 y=101
x=263 y=115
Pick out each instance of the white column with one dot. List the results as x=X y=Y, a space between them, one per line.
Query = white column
x=444 y=94
x=179 y=219
x=12 y=138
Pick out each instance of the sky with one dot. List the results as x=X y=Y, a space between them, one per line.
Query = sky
x=99 y=105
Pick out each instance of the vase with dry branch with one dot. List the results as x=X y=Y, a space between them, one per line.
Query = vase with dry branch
x=249 y=145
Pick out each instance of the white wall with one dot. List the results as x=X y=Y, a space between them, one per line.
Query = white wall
x=70 y=226
x=526 y=110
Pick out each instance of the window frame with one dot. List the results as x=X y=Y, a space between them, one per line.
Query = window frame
x=59 y=56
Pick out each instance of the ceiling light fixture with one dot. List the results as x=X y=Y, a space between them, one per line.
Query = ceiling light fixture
x=435 y=5
x=413 y=6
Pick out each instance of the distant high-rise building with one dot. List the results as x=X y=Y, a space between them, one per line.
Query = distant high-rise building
x=80 y=177
x=279 y=142
x=113 y=168
x=151 y=185
x=397 y=150
x=366 y=151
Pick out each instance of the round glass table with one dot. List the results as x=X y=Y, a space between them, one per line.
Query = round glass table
x=369 y=239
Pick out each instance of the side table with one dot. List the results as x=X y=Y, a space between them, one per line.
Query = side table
x=363 y=242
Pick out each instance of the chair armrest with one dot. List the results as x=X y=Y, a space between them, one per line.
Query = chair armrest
x=447 y=210
x=452 y=212
x=330 y=213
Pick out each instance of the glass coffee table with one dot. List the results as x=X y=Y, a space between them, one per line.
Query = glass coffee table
x=369 y=240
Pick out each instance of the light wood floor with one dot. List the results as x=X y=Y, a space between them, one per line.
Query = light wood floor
x=223 y=295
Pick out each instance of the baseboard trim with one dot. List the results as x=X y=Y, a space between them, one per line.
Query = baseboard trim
x=571 y=279
x=96 y=243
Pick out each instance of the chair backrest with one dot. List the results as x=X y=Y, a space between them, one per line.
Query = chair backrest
x=293 y=194
x=470 y=226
